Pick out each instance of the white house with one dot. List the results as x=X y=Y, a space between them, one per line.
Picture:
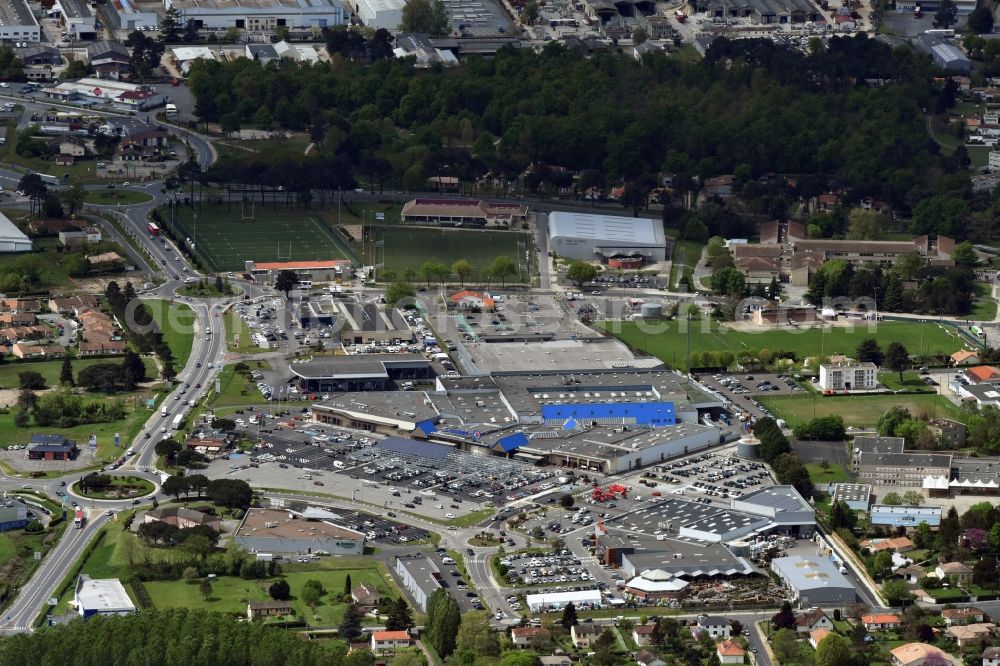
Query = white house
x=101 y=596
x=713 y=625
x=523 y=636
x=390 y=641
x=848 y=376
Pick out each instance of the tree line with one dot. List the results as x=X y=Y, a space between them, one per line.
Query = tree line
x=138 y=325
x=750 y=106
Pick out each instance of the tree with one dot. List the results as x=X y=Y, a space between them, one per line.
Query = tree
x=897 y=358
x=312 y=592
x=350 y=625
x=785 y=645
x=191 y=574
x=964 y=255
x=30 y=379
x=427 y=16
x=530 y=12
x=896 y=592
x=946 y=14
x=784 y=618
x=286 y=281
x=502 y=268
x=170 y=26
x=66 y=372
x=892 y=499
x=580 y=272
x=869 y=352
x=728 y=281
x=434 y=271
x=347 y=586
x=981 y=22
x=842 y=515
x=205 y=587
x=146 y=54
x=463 y=269
x=399 y=292
x=476 y=635
x=890 y=420
x=566 y=501
x=865 y=225
x=400 y=617
x=833 y=650
x=569 y=616
x=913 y=498
x=639 y=35
x=72 y=197
x=280 y=590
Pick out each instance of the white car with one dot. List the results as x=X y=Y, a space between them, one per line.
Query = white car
x=449 y=516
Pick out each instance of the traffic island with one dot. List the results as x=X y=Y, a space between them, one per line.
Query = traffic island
x=107 y=487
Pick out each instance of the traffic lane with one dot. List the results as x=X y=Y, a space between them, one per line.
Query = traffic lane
x=757 y=641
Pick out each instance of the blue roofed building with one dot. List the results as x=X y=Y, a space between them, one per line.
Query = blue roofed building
x=905 y=516
x=13 y=516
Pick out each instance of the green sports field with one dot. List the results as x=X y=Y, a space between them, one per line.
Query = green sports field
x=858 y=410
x=667 y=340
x=409 y=247
x=226 y=237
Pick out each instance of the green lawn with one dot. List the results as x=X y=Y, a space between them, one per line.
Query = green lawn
x=15 y=541
x=667 y=340
x=128 y=428
x=985 y=307
x=860 y=410
x=277 y=148
x=911 y=382
x=407 y=248
x=226 y=237
x=176 y=321
x=832 y=474
x=230 y=595
x=121 y=486
x=238 y=334
x=116 y=197
x=685 y=257
x=204 y=289
x=46 y=261
x=236 y=389
x=9 y=370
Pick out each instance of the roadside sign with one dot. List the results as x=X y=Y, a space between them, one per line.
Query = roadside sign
x=98 y=92
x=52 y=601
x=118 y=440
x=379 y=216
x=38 y=555
x=218 y=386
x=92 y=443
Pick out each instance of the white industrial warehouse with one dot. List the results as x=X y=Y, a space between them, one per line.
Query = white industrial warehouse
x=386 y=14
x=12 y=239
x=260 y=14
x=600 y=237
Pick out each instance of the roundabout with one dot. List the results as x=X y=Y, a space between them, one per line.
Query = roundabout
x=107 y=487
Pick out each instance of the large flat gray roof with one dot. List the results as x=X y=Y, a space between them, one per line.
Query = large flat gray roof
x=810 y=573
x=423 y=571
x=640 y=231
x=16 y=12
x=781 y=498
x=355 y=365
x=685 y=558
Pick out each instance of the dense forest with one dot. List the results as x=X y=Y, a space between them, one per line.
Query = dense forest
x=848 y=116
x=171 y=638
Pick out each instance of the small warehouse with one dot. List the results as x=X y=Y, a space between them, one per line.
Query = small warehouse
x=605 y=237
x=815 y=581
x=12 y=239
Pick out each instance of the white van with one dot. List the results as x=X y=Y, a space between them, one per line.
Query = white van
x=339 y=464
x=447 y=560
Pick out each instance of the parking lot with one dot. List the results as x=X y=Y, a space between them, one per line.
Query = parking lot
x=743 y=391
x=540 y=569
x=380 y=529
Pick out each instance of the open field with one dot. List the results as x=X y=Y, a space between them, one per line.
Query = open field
x=50 y=369
x=667 y=340
x=407 y=248
x=237 y=329
x=15 y=541
x=984 y=308
x=832 y=474
x=236 y=389
x=225 y=240
x=857 y=410
x=176 y=321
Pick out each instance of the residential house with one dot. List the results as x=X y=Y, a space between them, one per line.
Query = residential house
x=713 y=625
x=365 y=595
x=911 y=573
x=983 y=374
x=729 y=652
x=69 y=145
x=642 y=634
x=965 y=357
x=818 y=635
x=525 y=637
x=963 y=615
x=758 y=270
x=957 y=571
x=79 y=237
x=917 y=654
x=952 y=433
x=64 y=160
x=848 y=376
x=21 y=350
x=647 y=658
x=720 y=186
x=182 y=517
x=880 y=622
x=584 y=634
x=971 y=635
x=109 y=59
x=22 y=305
x=893 y=545
x=71 y=304
x=639 y=50
x=261 y=609
x=102 y=348
x=991 y=656
x=810 y=621
x=390 y=641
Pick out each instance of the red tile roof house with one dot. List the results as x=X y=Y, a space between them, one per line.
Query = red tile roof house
x=964 y=615
x=729 y=652
x=522 y=637
x=642 y=634
x=880 y=622
x=390 y=641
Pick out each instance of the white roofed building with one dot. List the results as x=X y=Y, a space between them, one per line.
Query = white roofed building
x=101 y=596
x=12 y=239
x=655 y=584
x=376 y=14
x=557 y=600
x=590 y=237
